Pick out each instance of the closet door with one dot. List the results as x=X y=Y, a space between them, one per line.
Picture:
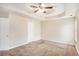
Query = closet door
x=4 y=30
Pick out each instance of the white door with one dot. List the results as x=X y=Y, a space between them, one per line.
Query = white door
x=4 y=30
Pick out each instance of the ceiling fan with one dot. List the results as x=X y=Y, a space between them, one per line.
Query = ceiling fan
x=40 y=7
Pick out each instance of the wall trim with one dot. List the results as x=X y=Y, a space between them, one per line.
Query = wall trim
x=37 y=40
x=21 y=44
x=17 y=45
x=60 y=42
x=77 y=49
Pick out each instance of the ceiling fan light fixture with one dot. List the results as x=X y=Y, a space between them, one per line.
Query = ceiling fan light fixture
x=42 y=7
x=44 y=12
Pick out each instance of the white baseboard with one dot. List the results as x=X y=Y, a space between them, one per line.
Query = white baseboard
x=17 y=45
x=60 y=42
x=77 y=49
x=11 y=47
x=35 y=40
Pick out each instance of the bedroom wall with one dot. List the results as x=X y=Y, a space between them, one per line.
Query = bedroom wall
x=4 y=31
x=17 y=30
x=61 y=30
x=71 y=8
x=23 y=30
x=34 y=30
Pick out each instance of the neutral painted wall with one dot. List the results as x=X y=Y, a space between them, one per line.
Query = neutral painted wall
x=20 y=30
x=17 y=30
x=23 y=30
x=61 y=30
x=4 y=29
x=34 y=30
x=71 y=8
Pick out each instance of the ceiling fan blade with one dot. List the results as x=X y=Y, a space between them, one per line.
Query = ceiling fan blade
x=36 y=10
x=48 y=7
x=34 y=6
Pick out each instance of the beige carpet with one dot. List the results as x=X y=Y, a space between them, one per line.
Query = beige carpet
x=42 y=48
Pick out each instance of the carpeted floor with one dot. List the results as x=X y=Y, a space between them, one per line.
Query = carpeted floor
x=42 y=48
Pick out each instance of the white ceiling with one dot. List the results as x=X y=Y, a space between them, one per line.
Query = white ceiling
x=60 y=10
